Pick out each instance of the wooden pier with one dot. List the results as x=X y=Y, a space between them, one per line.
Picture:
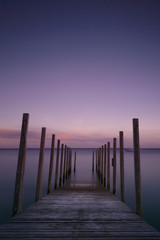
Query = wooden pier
x=78 y=211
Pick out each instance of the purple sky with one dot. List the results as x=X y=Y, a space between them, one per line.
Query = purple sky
x=81 y=68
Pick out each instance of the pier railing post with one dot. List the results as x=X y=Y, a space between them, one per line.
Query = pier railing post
x=137 y=169
x=108 y=166
x=57 y=165
x=121 y=146
x=51 y=164
x=18 y=191
x=40 y=165
x=114 y=165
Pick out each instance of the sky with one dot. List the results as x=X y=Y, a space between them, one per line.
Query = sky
x=81 y=68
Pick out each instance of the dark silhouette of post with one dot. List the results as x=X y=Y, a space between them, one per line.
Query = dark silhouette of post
x=40 y=166
x=61 y=166
x=75 y=162
x=121 y=146
x=67 y=162
x=108 y=166
x=51 y=164
x=102 y=165
x=104 y=182
x=96 y=160
x=70 y=166
x=57 y=165
x=64 y=165
x=19 y=183
x=93 y=162
x=114 y=165
x=99 y=163
x=137 y=169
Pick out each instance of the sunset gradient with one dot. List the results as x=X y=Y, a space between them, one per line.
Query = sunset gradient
x=82 y=69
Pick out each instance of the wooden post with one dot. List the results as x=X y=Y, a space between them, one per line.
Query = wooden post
x=19 y=183
x=51 y=165
x=108 y=166
x=114 y=165
x=98 y=163
x=121 y=146
x=40 y=166
x=104 y=182
x=96 y=159
x=137 y=169
x=67 y=156
x=57 y=165
x=70 y=170
x=61 y=165
x=64 y=165
x=93 y=162
x=102 y=166
x=74 y=161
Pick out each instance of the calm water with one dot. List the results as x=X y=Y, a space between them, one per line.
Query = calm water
x=150 y=171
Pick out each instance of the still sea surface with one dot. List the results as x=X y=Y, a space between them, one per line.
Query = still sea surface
x=150 y=179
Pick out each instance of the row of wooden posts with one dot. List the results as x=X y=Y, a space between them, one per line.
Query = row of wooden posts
x=62 y=170
x=103 y=165
x=62 y=174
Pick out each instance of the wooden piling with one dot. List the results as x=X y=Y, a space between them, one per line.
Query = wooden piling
x=96 y=160
x=93 y=162
x=61 y=166
x=67 y=162
x=108 y=166
x=114 y=165
x=75 y=162
x=64 y=165
x=104 y=181
x=98 y=163
x=19 y=183
x=51 y=164
x=137 y=169
x=102 y=165
x=40 y=165
x=70 y=169
x=121 y=146
x=57 y=165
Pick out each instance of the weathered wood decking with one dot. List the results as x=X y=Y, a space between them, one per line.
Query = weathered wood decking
x=78 y=212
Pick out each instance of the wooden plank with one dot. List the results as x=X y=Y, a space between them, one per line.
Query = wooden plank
x=78 y=212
